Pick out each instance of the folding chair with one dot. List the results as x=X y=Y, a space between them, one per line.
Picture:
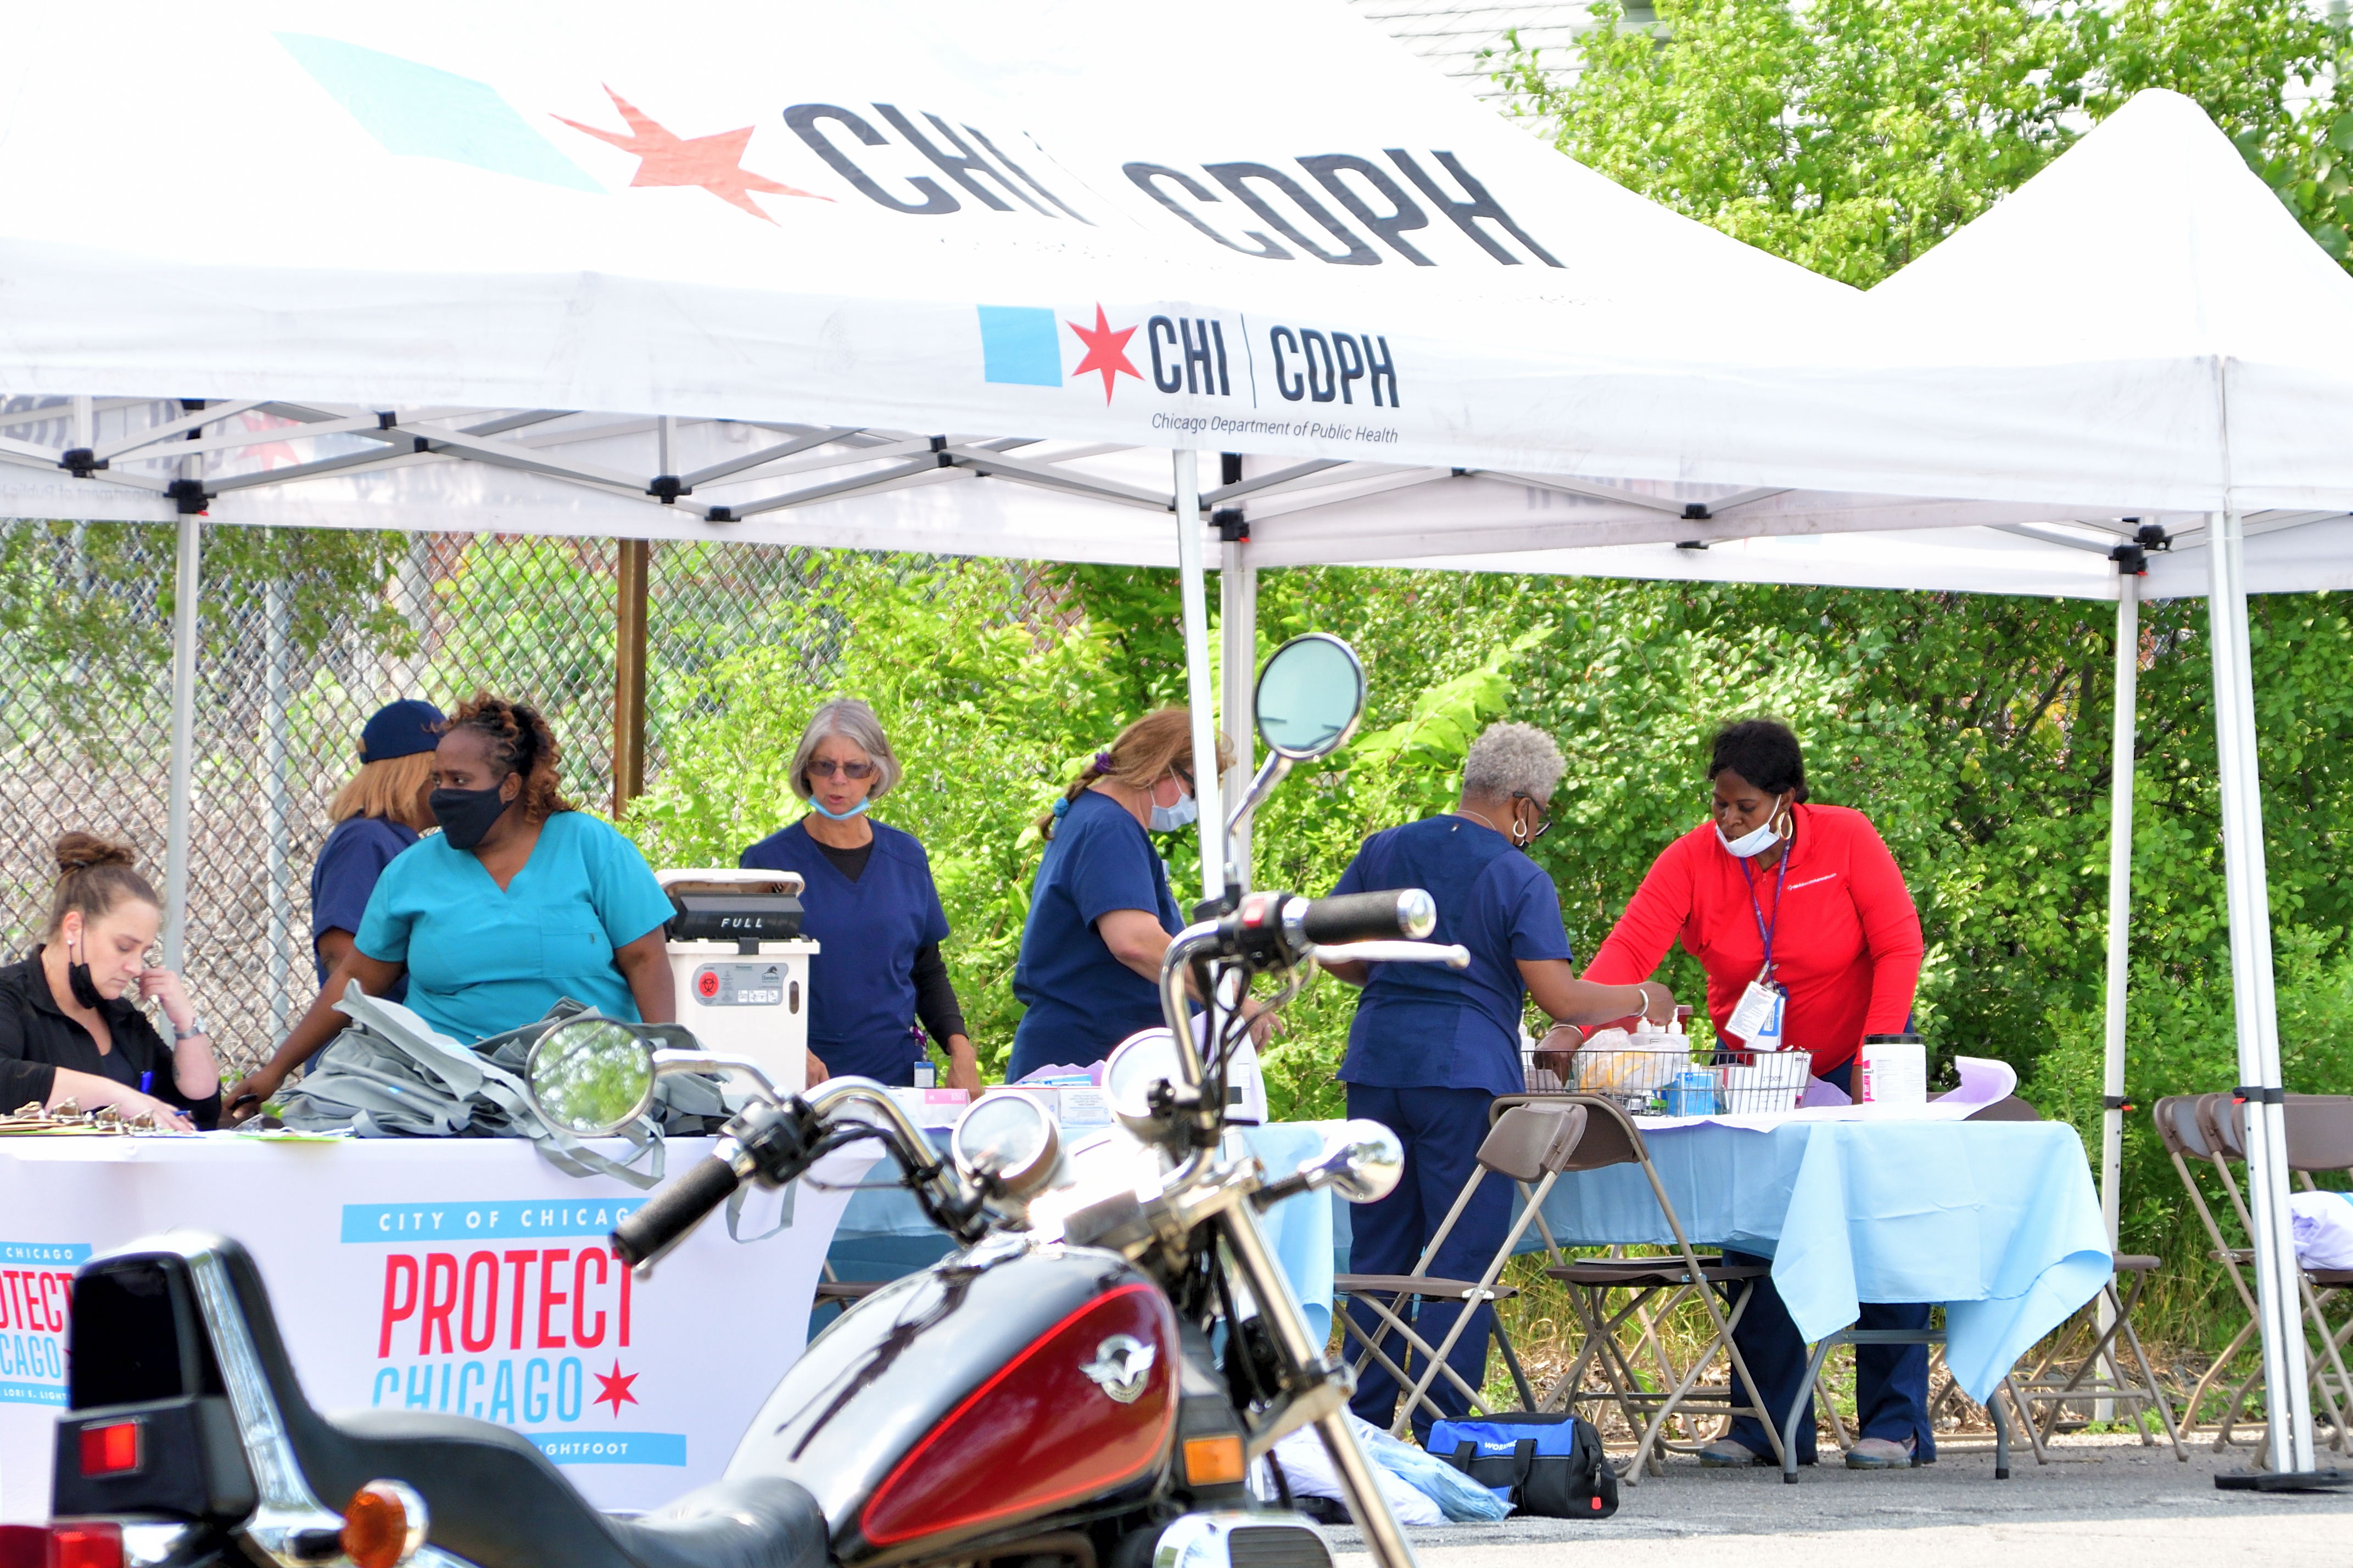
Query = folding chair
x=841 y=1294
x=1530 y=1144
x=1609 y=1137
x=2088 y=1381
x=2319 y=1137
x=2180 y=1127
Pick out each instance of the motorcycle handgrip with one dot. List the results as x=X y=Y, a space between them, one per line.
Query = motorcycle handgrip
x=674 y=1209
x=1369 y=916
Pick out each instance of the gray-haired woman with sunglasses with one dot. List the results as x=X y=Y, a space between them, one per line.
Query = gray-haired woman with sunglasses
x=872 y=909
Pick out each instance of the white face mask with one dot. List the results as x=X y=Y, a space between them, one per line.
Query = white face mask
x=1169 y=818
x=1748 y=845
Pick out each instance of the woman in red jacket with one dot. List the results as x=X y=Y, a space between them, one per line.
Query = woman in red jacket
x=1807 y=931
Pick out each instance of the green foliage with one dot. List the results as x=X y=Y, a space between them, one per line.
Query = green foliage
x=1973 y=731
x=86 y=607
x=1852 y=135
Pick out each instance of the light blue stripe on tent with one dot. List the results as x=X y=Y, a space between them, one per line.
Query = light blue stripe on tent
x=417 y=111
x=1020 y=344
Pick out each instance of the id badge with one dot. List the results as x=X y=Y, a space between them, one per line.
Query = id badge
x=1757 y=1019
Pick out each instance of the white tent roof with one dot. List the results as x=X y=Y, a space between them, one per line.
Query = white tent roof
x=2145 y=305
x=451 y=297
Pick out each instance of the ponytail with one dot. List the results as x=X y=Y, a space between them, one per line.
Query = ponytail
x=1144 y=754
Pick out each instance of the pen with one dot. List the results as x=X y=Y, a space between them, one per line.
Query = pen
x=146 y=1083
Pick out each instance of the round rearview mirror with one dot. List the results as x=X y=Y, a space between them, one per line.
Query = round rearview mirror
x=1361 y=1161
x=590 y=1075
x=1008 y=1141
x=1144 y=1058
x=1310 y=695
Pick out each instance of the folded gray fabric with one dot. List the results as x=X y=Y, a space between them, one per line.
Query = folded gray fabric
x=388 y=1075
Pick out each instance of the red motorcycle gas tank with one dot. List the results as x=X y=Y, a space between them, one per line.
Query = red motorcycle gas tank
x=996 y=1387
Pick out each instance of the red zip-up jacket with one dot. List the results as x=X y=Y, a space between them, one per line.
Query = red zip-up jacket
x=1847 y=944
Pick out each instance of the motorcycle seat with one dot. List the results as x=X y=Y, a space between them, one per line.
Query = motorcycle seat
x=494 y=1500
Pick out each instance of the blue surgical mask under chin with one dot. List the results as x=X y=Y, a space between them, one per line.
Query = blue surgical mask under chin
x=1169 y=818
x=819 y=806
x=1748 y=845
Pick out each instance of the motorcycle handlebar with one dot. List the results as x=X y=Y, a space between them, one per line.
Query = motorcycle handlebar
x=675 y=1209
x=1369 y=916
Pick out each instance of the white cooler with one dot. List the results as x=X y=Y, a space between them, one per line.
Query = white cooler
x=741 y=967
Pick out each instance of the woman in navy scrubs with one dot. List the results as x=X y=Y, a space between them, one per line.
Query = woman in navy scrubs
x=1101 y=913
x=872 y=909
x=1431 y=1047
x=379 y=813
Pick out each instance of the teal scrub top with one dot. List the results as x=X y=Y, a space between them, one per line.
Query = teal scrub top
x=482 y=962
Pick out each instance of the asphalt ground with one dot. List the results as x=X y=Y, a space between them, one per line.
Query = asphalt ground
x=2097 y=1496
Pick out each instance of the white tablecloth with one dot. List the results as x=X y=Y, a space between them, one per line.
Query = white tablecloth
x=463 y=1276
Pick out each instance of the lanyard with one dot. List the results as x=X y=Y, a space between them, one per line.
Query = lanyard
x=1781 y=875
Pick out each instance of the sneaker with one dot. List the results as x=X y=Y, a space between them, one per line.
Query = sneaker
x=1727 y=1453
x=1880 y=1453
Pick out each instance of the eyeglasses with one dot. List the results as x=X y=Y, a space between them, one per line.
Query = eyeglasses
x=1543 y=817
x=825 y=768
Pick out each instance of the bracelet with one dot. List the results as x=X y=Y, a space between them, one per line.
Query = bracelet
x=1644 y=986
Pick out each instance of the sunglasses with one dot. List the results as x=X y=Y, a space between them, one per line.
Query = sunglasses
x=825 y=768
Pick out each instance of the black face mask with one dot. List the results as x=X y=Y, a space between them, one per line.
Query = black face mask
x=78 y=981
x=466 y=815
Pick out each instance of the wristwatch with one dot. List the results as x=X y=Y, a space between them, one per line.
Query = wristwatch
x=195 y=1027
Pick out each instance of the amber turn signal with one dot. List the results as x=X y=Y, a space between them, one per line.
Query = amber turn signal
x=1213 y=1461
x=384 y=1525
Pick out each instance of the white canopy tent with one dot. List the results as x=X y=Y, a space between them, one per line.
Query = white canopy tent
x=731 y=273
x=2221 y=320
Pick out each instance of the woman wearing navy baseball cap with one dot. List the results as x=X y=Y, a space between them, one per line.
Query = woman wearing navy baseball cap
x=380 y=812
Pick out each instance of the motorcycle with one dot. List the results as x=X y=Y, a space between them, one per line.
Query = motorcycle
x=1086 y=1382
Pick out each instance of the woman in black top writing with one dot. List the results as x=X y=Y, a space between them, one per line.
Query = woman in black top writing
x=70 y=1023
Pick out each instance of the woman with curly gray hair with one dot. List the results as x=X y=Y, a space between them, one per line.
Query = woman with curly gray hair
x=1432 y=1048
x=872 y=909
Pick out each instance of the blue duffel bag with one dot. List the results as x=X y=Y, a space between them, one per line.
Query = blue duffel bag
x=1547 y=1464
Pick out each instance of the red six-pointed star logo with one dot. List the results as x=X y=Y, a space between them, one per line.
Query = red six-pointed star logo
x=614 y=1387
x=1106 y=351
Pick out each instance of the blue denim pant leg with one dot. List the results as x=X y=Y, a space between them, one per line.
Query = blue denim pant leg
x=1890 y=1382
x=1441 y=1129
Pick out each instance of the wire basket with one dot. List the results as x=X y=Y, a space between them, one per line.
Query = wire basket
x=1678 y=1081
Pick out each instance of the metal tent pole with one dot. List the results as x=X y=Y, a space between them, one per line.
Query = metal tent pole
x=1187 y=505
x=184 y=740
x=1237 y=658
x=2287 y=1403
x=277 y=811
x=2120 y=834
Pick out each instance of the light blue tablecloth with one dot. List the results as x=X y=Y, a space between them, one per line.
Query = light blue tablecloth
x=1998 y=1221
x=883 y=1234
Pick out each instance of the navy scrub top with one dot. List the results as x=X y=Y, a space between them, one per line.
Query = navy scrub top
x=1082 y=1000
x=356 y=851
x=861 y=990
x=1424 y=1025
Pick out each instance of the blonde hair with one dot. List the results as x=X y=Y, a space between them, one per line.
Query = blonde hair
x=855 y=723
x=94 y=875
x=389 y=789
x=1144 y=752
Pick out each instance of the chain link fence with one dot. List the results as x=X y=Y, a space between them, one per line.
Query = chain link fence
x=304 y=633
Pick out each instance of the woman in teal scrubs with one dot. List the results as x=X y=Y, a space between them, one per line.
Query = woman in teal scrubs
x=518 y=900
